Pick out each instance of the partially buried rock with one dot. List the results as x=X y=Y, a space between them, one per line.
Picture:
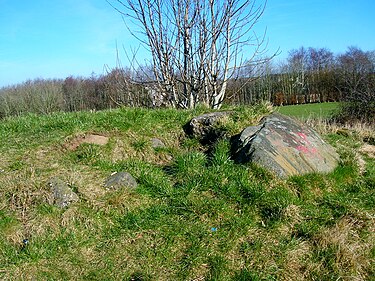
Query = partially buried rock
x=62 y=194
x=119 y=180
x=206 y=127
x=285 y=147
x=157 y=143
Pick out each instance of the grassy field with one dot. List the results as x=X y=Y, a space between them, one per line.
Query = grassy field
x=195 y=215
x=314 y=110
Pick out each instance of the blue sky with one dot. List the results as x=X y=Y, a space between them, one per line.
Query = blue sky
x=58 y=38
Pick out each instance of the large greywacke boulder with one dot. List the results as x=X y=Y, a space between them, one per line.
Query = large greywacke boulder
x=119 y=180
x=62 y=194
x=205 y=127
x=285 y=147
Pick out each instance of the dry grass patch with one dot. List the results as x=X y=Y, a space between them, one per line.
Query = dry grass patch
x=258 y=251
x=368 y=150
x=22 y=191
x=351 y=249
x=363 y=131
x=296 y=266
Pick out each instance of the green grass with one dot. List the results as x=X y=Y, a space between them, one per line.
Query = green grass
x=196 y=215
x=315 y=110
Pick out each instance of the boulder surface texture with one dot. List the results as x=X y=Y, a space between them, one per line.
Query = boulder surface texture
x=284 y=146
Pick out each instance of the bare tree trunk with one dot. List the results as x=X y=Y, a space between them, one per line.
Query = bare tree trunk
x=195 y=45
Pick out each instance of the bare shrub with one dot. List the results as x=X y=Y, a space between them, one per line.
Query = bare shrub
x=357 y=84
x=33 y=96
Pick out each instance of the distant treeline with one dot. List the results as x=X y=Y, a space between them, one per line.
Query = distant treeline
x=44 y=96
x=312 y=75
x=307 y=75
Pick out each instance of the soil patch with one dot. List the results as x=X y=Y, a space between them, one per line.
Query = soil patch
x=90 y=138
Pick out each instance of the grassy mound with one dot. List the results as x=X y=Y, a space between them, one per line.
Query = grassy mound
x=195 y=215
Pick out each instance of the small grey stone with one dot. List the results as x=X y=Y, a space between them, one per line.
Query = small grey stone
x=157 y=143
x=120 y=179
x=62 y=194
